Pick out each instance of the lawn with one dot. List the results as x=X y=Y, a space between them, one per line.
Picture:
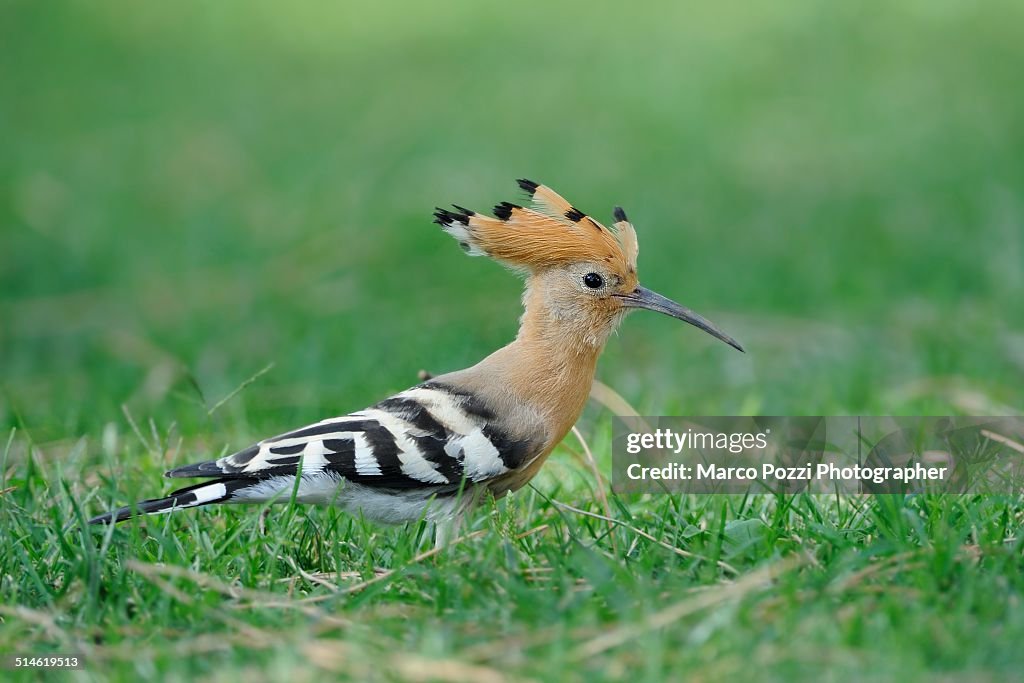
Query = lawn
x=215 y=225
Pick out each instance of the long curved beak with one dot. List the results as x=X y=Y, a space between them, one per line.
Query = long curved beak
x=641 y=297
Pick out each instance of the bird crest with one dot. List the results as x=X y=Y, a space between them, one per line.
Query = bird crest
x=550 y=233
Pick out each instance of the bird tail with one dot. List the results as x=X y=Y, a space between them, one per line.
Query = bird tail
x=218 y=491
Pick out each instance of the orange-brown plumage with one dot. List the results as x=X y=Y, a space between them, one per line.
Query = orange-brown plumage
x=487 y=428
x=541 y=238
x=581 y=279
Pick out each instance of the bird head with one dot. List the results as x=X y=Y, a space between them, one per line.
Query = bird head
x=581 y=274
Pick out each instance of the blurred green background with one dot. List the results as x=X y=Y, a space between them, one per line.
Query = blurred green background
x=192 y=191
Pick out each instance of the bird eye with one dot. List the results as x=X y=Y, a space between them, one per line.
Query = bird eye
x=593 y=280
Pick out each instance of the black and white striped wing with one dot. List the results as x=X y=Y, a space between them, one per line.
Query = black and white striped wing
x=429 y=436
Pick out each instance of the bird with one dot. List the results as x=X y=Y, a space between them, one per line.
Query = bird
x=435 y=450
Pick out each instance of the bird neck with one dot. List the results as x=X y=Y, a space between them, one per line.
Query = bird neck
x=552 y=361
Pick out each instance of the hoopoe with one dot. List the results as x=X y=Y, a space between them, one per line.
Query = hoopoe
x=433 y=450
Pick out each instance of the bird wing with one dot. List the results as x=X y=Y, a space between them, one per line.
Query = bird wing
x=432 y=435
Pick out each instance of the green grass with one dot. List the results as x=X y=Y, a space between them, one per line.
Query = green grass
x=191 y=192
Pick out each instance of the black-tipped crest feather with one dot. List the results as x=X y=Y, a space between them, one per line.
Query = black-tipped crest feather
x=503 y=211
x=528 y=186
x=445 y=217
